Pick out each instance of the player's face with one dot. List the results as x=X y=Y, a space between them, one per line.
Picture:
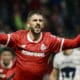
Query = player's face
x=36 y=23
x=6 y=57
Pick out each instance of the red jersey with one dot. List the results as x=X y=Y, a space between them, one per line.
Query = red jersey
x=32 y=56
x=6 y=72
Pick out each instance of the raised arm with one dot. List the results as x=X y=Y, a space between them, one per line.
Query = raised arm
x=9 y=39
x=58 y=44
x=71 y=43
x=4 y=39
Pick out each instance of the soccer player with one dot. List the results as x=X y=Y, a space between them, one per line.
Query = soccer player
x=66 y=66
x=7 y=56
x=33 y=47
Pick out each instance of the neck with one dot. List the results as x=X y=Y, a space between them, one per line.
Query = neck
x=34 y=36
x=66 y=54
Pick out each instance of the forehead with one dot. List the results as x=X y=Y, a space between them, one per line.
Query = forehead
x=6 y=53
x=36 y=16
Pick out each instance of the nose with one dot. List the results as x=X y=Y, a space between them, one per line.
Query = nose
x=38 y=21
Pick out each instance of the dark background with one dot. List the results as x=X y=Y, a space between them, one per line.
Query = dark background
x=63 y=15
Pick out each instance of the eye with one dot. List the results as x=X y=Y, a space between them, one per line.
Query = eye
x=34 y=20
x=40 y=20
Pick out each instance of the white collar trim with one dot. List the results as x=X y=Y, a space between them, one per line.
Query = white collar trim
x=8 y=67
x=29 y=39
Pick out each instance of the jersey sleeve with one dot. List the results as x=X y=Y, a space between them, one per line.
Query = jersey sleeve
x=59 y=44
x=9 y=39
x=55 y=62
x=71 y=43
x=4 y=38
x=56 y=44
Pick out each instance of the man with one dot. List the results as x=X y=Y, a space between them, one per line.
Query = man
x=7 y=56
x=33 y=47
x=66 y=66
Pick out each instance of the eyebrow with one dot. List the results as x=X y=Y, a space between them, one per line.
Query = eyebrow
x=37 y=19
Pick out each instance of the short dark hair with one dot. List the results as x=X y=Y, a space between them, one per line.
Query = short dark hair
x=7 y=49
x=39 y=12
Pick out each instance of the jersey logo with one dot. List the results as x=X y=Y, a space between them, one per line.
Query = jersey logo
x=43 y=47
x=68 y=73
x=22 y=46
x=28 y=53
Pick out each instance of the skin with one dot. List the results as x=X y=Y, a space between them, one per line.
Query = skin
x=6 y=57
x=54 y=74
x=36 y=23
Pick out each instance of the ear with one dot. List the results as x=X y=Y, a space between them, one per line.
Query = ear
x=28 y=25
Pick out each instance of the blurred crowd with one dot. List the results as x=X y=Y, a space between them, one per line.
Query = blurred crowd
x=63 y=15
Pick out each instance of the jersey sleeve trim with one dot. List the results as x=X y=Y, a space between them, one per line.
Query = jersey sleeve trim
x=62 y=42
x=8 y=40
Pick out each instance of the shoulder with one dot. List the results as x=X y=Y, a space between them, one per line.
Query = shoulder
x=21 y=31
x=76 y=51
x=18 y=34
x=59 y=55
x=49 y=36
x=57 y=60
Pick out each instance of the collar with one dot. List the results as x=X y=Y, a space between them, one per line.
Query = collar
x=30 y=40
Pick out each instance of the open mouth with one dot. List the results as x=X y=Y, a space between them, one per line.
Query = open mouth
x=37 y=26
x=37 y=29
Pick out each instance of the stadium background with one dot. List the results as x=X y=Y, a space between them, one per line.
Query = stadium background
x=63 y=15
